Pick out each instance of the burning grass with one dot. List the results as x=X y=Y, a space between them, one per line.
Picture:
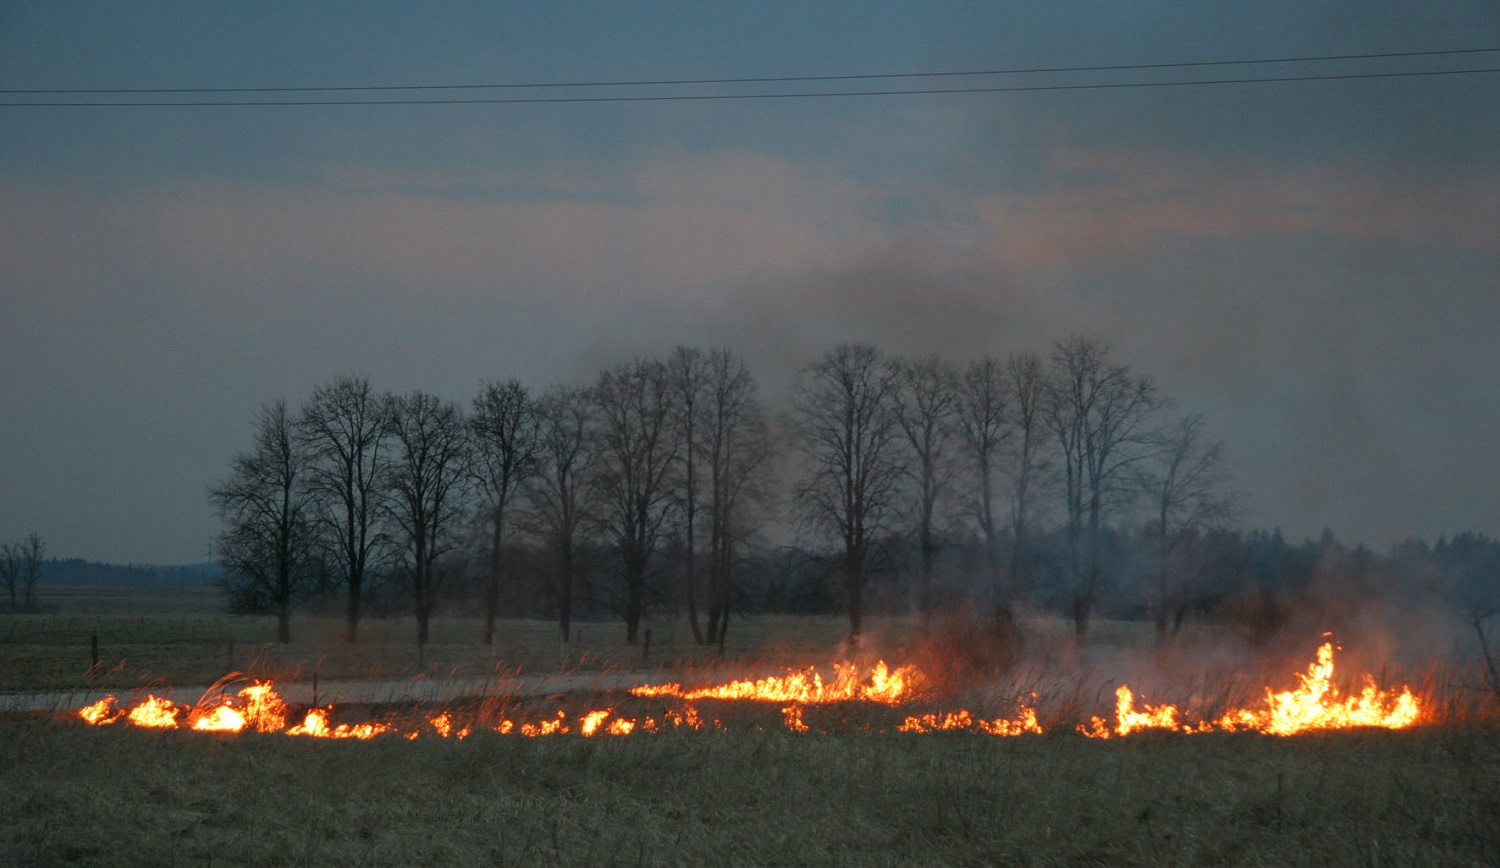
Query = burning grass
x=850 y=764
x=1314 y=704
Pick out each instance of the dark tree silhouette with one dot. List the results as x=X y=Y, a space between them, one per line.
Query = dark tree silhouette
x=21 y=569
x=268 y=547
x=984 y=428
x=844 y=423
x=344 y=428
x=927 y=408
x=1186 y=482
x=736 y=451
x=688 y=372
x=503 y=427
x=638 y=457
x=558 y=492
x=1101 y=416
x=428 y=477
x=1028 y=459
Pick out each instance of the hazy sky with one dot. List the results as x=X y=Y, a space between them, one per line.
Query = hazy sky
x=1315 y=265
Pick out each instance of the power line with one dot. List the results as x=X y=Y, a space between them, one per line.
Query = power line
x=771 y=95
x=787 y=79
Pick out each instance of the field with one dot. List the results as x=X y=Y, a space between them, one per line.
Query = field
x=745 y=795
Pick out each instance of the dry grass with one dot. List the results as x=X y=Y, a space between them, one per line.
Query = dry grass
x=853 y=792
x=151 y=636
x=747 y=797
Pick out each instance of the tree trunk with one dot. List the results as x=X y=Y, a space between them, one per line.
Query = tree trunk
x=565 y=593
x=492 y=591
x=1083 y=609
x=928 y=552
x=692 y=590
x=635 y=581
x=855 y=574
x=354 y=604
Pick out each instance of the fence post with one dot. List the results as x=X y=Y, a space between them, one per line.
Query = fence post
x=94 y=651
x=646 y=647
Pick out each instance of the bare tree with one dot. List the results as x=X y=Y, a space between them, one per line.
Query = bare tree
x=844 y=421
x=428 y=478
x=984 y=428
x=1027 y=466
x=268 y=545
x=1186 y=480
x=21 y=569
x=1100 y=415
x=638 y=454
x=10 y=572
x=687 y=369
x=736 y=450
x=558 y=491
x=344 y=429
x=503 y=427
x=927 y=407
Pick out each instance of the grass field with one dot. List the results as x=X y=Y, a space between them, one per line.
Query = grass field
x=134 y=797
x=751 y=794
x=175 y=636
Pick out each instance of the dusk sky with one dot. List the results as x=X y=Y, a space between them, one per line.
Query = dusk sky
x=1313 y=264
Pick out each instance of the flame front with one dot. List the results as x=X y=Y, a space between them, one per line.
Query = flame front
x=1313 y=705
x=805 y=687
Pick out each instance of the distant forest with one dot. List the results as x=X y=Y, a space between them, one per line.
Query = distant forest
x=76 y=571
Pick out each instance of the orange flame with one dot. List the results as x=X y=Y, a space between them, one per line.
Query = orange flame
x=101 y=713
x=805 y=687
x=155 y=713
x=315 y=725
x=1025 y=723
x=1314 y=704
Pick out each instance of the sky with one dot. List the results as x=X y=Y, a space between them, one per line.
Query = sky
x=1315 y=265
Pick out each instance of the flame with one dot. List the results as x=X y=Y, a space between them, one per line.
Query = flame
x=1128 y=720
x=154 y=713
x=221 y=719
x=805 y=687
x=315 y=725
x=1025 y=723
x=443 y=723
x=263 y=708
x=256 y=705
x=1314 y=704
x=101 y=713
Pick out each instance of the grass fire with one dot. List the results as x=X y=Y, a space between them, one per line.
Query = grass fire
x=1314 y=704
x=794 y=748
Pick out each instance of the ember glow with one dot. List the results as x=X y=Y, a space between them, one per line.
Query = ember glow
x=1315 y=704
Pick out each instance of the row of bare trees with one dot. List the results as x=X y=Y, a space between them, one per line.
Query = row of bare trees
x=673 y=465
x=936 y=451
x=358 y=484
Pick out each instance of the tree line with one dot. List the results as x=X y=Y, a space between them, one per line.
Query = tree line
x=1065 y=481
